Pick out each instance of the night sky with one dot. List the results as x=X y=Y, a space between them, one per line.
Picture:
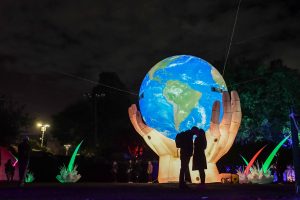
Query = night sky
x=43 y=40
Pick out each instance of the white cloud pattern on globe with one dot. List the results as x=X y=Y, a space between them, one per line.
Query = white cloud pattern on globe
x=178 y=93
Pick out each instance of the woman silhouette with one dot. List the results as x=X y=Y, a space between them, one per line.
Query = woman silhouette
x=199 y=159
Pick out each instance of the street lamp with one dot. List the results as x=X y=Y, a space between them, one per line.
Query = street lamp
x=43 y=130
x=67 y=147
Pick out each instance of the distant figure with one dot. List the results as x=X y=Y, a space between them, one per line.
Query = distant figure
x=186 y=151
x=114 y=171
x=279 y=167
x=149 y=171
x=274 y=173
x=24 y=150
x=129 y=171
x=289 y=174
x=199 y=159
x=9 y=170
x=137 y=170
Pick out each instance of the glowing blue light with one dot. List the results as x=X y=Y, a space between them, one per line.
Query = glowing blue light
x=178 y=93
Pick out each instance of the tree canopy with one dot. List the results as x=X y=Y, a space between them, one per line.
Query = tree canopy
x=13 y=120
x=100 y=119
x=267 y=92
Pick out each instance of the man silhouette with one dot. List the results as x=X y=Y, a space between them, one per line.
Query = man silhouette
x=186 y=151
x=24 y=150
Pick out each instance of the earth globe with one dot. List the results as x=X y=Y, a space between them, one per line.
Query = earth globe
x=178 y=93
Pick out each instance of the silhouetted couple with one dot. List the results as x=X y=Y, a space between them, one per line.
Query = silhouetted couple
x=186 y=151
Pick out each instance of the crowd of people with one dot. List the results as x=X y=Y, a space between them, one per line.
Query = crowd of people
x=134 y=171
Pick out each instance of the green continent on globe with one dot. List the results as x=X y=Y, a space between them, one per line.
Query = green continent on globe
x=218 y=77
x=161 y=65
x=183 y=98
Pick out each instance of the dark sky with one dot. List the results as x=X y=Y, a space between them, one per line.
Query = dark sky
x=40 y=38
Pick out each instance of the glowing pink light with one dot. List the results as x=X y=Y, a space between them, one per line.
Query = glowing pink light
x=14 y=158
x=252 y=161
x=15 y=163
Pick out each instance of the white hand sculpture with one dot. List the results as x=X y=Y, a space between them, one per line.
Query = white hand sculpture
x=220 y=137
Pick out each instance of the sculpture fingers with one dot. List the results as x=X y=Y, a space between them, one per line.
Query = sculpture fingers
x=226 y=120
x=214 y=132
x=137 y=121
x=214 y=123
x=224 y=126
x=235 y=119
x=153 y=138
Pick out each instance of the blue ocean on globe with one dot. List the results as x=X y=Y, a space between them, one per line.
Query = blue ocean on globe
x=178 y=93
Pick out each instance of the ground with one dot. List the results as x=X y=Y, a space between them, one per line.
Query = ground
x=140 y=191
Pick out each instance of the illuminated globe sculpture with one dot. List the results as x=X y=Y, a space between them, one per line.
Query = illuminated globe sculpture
x=178 y=93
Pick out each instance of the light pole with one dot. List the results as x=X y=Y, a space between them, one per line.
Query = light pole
x=43 y=130
x=67 y=147
x=94 y=96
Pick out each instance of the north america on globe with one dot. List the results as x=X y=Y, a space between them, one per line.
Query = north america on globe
x=178 y=93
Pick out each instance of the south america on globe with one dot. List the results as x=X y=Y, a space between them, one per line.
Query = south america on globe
x=178 y=93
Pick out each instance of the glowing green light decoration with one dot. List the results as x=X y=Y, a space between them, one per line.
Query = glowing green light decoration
x=259 y=175
x=272 y=155
x=29 y=177
x=70 y=174
x=244 y=159
x=72 y=160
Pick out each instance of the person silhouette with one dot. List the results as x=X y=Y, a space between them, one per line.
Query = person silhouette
x=114 y=171
x=129 y=171
x=186 y=152
x=149 y=171
x=199 y=158
x=9 y=170
x=24 y=150
x=137 y=169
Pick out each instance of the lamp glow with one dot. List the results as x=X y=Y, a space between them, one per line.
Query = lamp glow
x=43 y=128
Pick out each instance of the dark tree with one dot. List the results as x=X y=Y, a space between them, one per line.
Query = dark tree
x=115 y=132
x=13 y=120
x=267 y=92
x=73 y=124
x=101 y=119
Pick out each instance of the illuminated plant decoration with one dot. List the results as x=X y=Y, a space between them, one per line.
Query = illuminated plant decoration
x=70 y=174
x=256 y=174
x=29 y=177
